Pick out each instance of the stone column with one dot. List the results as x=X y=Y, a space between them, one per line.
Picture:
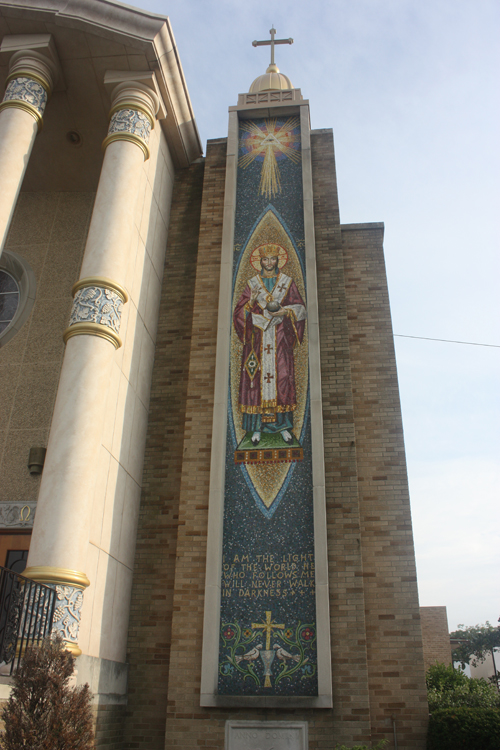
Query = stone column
x=29 y=84
x=61 y=531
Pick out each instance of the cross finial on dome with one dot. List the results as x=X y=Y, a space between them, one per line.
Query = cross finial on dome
x=272 y=80
x=272 y=42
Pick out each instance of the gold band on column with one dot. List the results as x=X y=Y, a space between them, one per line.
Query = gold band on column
x=73 y=648
x=58 y=576
x=17 y=104
x=127 y=137
x=101 y=281
x=92 y=329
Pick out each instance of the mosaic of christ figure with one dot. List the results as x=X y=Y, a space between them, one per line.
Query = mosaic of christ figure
x=269 y=319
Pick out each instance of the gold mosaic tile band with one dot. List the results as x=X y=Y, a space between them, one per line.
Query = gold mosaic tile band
x=269 y=455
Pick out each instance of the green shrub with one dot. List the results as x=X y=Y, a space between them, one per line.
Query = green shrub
x=464 y=728
x=451 y=688
x=442 y=677
x=43 y=712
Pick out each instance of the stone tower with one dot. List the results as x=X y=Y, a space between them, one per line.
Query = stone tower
x=260 y=543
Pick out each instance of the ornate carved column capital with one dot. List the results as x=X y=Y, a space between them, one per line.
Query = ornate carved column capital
x=134 y=106
x=97 y=309
x=30 y=82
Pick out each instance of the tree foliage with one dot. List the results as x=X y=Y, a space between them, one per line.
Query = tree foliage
x=451 y=688
x=43 y=712
x=477 y=642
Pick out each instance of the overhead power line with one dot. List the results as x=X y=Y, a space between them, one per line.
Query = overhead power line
x=447 y=341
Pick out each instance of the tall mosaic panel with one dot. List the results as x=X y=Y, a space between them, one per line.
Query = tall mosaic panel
x=268 y=602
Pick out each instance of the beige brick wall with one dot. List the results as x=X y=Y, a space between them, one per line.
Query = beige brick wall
x=108 y=727
x=350 y=719
x=393 y=633
x=435 y=636
x=189 y=726
x=375 y=628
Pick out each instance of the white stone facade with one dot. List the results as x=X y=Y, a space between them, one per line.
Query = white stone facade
x=91 y=76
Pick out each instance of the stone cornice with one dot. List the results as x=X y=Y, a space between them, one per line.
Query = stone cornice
x=109 y=16
x=173 y=87
x=133 y=27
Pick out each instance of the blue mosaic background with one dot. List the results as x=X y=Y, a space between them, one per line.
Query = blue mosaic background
x=268 y=559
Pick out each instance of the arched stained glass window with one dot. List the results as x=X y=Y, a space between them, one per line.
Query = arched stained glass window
x=17 y=294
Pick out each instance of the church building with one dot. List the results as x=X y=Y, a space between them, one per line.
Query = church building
x=201 y=443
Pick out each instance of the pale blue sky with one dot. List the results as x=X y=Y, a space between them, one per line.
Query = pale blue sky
x=410 y=88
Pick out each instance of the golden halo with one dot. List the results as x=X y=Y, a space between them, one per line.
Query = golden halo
x=258 y=253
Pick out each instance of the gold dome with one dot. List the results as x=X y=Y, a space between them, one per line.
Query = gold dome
x=272 y=80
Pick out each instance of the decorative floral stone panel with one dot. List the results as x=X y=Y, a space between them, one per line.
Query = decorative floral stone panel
x=94 y=304
x=130 y=121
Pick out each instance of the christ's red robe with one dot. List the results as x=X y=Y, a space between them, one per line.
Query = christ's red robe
x=289 y=332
